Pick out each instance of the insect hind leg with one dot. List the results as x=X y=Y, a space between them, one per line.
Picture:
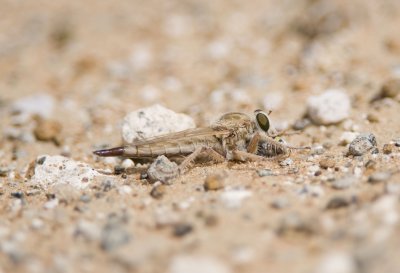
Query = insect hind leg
x=214 y=155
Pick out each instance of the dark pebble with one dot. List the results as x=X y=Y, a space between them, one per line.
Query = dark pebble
x=182 y=229
x=17 y=194
x=85 y=198
x=338 y=202
x=158 y=191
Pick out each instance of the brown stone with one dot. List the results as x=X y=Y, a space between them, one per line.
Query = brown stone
x=327 y=163
x=214 y=182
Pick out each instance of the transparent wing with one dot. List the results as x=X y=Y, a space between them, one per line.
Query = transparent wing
x=183 y=135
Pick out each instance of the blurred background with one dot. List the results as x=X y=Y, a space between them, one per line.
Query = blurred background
x=223 y=55
x=86 y=64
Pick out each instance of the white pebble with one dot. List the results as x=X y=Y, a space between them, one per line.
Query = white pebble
x=358 y=172
x=53 y=170
x=124 y=189
x=88 y=230
x=330 y=107
x=51 y=204
x=286 y=162
x=219 y=49
x=153 y=121
x=127 y=163
x=347 y=137
x=386 y=209
x=37 y=223
x=336 y=262
x=272 y=101
x=40 y=104
x=234 y=198
x=141 y=57
x=149 y=93
x=197 y=264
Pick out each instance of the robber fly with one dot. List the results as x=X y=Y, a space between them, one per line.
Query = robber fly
x=234 y=136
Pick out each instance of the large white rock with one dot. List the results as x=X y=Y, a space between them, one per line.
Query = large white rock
x=330 y=107
x=53 y=170
x=153 y=121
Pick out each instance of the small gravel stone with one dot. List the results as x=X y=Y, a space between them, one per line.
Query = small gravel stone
x=87 y=230
x=265 y=172
x=4 y=171
x=301 y=124
x=343 y=183
x=113 y=235
x=280 y=203
x=338 y=202
x=127 y=163
x=397 y=142
x=286 y=162
x=214 y=182
x=294 y=222
x=317 y=150
x=388 y=148
x=51 y=204
x=372 y=117
x=362 y=144
x=162 y=170
x=85 y=198
x=153 y=121
x=185 y=263
x=327 y=163
x=48 y=130
x=52 y=170
x=119 y=169
x=124 y=189
x=17 y=194
x=390 y=89
x=182 y=229
x=330 y=107
x=158 y=191
x=379 y=177
x=371 y=164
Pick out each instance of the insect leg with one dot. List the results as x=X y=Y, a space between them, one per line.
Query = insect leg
x=253 y=144
x=245 y=156
x=199 y=151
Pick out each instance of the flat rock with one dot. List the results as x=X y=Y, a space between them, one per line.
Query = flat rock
x=52 y=170
x=153 y=121
x=331 y=107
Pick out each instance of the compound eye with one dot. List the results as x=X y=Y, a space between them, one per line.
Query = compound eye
x=263 y=121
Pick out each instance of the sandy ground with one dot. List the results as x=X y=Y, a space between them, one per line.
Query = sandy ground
x=99 y=60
